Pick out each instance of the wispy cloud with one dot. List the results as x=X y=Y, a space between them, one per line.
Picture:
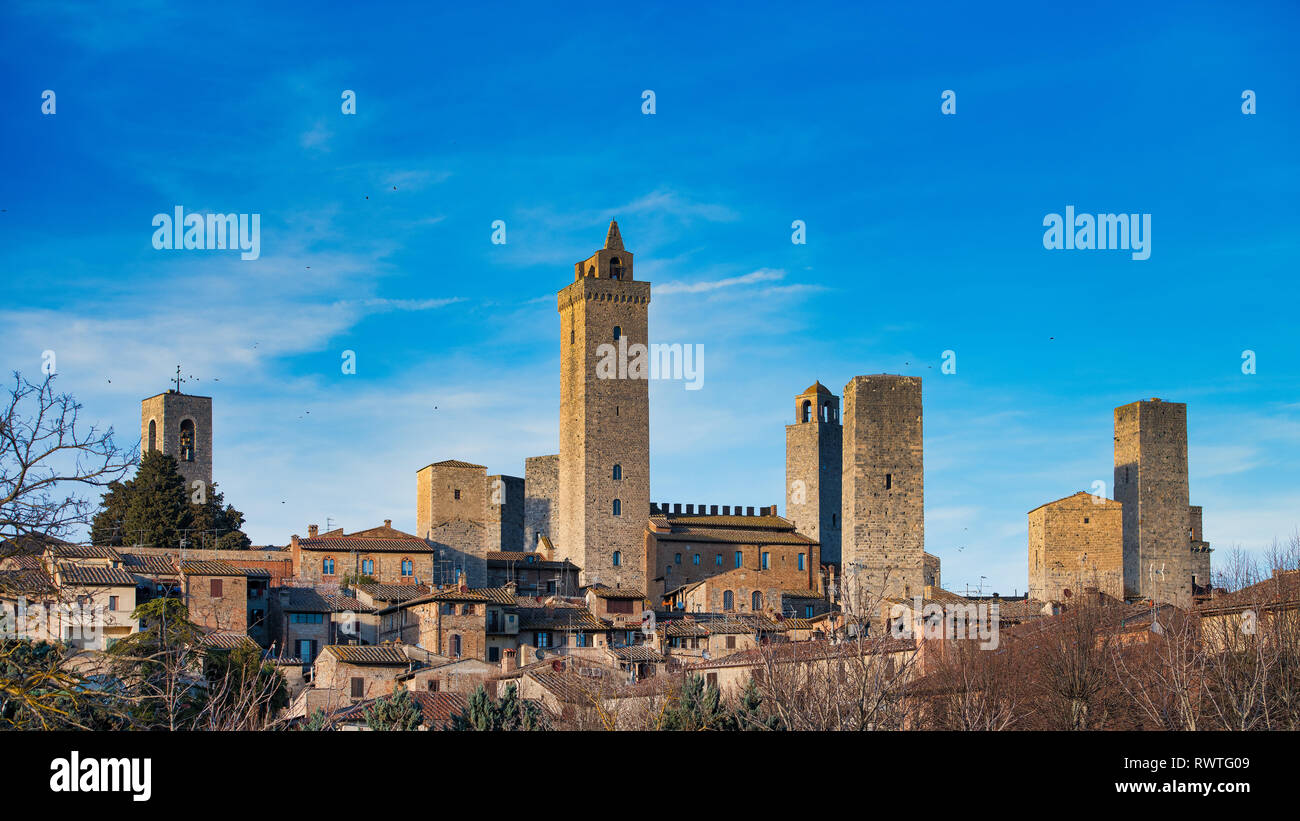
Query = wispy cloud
x=706 y=286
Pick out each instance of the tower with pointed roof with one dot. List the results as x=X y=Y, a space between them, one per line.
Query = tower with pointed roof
x=813 y=469
x=604 y=465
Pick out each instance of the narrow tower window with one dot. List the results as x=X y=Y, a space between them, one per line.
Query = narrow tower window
x=618 y=331
x=889 y=481
x=187 y=440
x=618 y=558
x=618 y=471
x=153 y=435
x=618 y=508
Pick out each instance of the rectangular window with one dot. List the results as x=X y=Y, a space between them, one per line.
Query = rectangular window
x=719 y=560
x=731 y=642
x=358 y=687
x=807 y=611
x=112 y=602
x=620 y=605
x=456 y=493
x=711 y=680
x=801 y=561
x=543 y=639
x=740 y=558
x=580 y=640
x=889 y=481
x=494 y=654
x=767 y=561
x=215 y=588
x=697 y=558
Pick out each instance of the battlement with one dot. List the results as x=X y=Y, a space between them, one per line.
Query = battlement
x=676 y=509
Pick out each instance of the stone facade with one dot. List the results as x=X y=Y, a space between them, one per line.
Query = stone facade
x=604 y=466
x=385 y=554
x=884 y=488
x=447 y=491
x=1200 y=560
x=505 y=513
x=814 y=469
x=541 y=499
x=217 y=598
x=1074 y=543
x=180 y=426
x=932 y=566
x=1151 y=482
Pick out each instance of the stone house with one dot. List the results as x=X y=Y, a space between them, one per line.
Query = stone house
x=382 y=555
x=356 y=672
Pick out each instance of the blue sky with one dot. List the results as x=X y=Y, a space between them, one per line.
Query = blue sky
x=924 y=234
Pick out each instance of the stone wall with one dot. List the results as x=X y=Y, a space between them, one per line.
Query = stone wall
x=167 y=412
x=814 y=472
x=884 y=488
x=1076 y=542
x=505 y=513
x=541 y=499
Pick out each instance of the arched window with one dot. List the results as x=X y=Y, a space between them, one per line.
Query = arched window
x=826 y=412
x=756 y=601
x=187 y=440
x=153 y=435
x=618 y=557
x=728 y=600
x=618 y=508
x=615 y=268
x=805 y=415
x=618 y=331
x=408 y=567
x=327 y=566
x=453 y=646
x=573 y=335
x=618 y=471
x=367 y=566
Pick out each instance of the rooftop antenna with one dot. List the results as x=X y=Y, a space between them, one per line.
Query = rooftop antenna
x=178 y=380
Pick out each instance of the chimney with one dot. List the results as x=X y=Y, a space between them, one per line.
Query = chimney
x=460 y=581
x=312 y=530
x=677 y=507
x=509 y=660
x=388 y=522
x=293 y=553
x=690 y=509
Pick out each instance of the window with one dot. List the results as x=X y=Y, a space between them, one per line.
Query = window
x=367 y=566
x=306 y=618
x=740 y=558
x=801 y=561
x=731 y=642
x=467 y=609
x=214 y=588
x=617 y=332
x=668 y=570
x=153 y=435
x=618 y=508
x=756 y=601
x=494 y=654
x=678 y=559
x=835 y=520
x=618 y=472
x=1085 y=519
x=453 y=646
x=448 y=609
x=543 y=639
x=455 y=494
x=615 y=268
x=728 y=600
x=408 y=567
x=618 y=557
x=620 y=606
x=807 y=611
x=358 y=687
x=327 y=566
x=889 y=481
x=805 y=414
x=112 y=602
x=580 y=640
x=719 y=560
x=767 y=561
x=711 y=680
x=187 y=440
x=572 y=335
x=697 y=558
x=433 y=685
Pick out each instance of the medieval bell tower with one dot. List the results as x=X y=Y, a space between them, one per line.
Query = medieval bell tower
x=604 y=468
x=180 y=426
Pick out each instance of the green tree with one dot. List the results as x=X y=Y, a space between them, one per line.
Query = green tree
x=156 y=509
x=396 y=712
x=40 y=691
x=510 y=713
x=749 y=714
x=317 y=721
x=698 y=707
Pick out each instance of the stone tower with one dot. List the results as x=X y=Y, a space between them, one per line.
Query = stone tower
x=814 y=469
x=180 y=426
x=883 y=542
x=604 y=468
x=1076 y=543
x=1151 y=482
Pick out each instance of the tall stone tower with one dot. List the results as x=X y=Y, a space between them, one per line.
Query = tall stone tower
x=180 y=426
x=1151 y=482
x=883 y=547
x=814 y=469
x=604 y=469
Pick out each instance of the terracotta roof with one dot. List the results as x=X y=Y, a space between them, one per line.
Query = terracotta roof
x=559 y=618
x=89 y=575
x=365 y=544
x=499 y=595
x=65 y=550
x=637 y=653
x=603 y=592
x=226 y=640
x=394 y=592
x=310 y=600
x=211 y=567
x=755 y=530
x=797 y=651
x=455 y=463
x=817 y=388
x=530 y=559
x=26 y=582
x=801 y=594
x=372 y=655
x=1279 y=590
x=25 y=561
x=149 y=565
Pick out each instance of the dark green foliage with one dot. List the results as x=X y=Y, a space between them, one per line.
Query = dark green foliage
x=155 y=509
x=509 y=713
x=700 y=707
x=317 y=721
x=396 y=712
